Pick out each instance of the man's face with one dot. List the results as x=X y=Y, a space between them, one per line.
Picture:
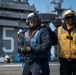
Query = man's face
x=33 y=21
x=69 y=19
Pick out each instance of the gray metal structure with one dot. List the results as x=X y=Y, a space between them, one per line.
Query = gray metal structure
x=59 y=10
x=47 y=18
x=12 y=17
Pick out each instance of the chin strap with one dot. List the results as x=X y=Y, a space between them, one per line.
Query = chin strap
x=34 y=32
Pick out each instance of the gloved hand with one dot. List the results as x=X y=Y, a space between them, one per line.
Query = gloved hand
x=21 y=49
x=24 y=49
x=27 y=47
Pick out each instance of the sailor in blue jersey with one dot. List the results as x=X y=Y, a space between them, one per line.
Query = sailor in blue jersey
x=37 y=42
x=19 y=56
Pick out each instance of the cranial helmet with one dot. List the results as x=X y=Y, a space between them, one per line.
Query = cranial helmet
x=19 y=31
x=69 y=12
x=30 y=16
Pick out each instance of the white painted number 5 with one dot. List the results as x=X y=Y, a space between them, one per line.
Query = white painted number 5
x=8 y=38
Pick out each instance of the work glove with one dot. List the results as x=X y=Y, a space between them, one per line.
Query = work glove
x=24 y=49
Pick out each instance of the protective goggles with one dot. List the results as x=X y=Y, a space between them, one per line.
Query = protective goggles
x=69 y=17
x=35 y=19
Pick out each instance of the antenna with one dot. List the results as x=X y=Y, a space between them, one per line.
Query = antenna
x=57 y=7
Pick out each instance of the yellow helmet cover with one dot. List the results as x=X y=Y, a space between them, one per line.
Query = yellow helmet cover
x=69 y=12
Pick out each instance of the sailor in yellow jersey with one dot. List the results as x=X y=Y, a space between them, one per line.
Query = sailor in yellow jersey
x=66 y=35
